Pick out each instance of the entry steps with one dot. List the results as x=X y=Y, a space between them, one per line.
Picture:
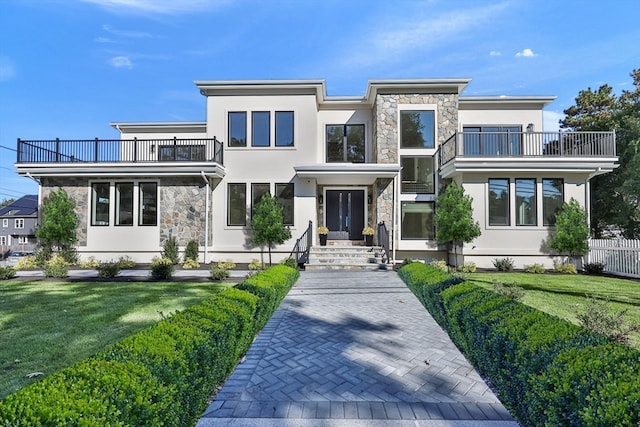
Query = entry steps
x=345 y=257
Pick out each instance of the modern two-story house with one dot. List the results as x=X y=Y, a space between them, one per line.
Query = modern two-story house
x=18 y=222
x=342 y=162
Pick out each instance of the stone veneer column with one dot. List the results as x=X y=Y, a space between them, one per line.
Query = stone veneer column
x=182 y=210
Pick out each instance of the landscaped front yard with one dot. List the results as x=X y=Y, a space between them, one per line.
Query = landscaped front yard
x=45 y=326
x=563 y=295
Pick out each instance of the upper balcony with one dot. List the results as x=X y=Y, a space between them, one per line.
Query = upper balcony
x=587 y=152
x=121 y=157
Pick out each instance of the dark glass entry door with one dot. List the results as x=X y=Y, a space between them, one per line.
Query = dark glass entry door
x=345 y=214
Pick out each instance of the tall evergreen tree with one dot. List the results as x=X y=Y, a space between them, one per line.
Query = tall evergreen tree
x=615 y=196
x=58 y=228
x=268 y=224
x=454 y=218
x=571 y=235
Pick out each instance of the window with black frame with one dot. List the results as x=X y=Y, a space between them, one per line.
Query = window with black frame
x=345 y=143
x=500 y=141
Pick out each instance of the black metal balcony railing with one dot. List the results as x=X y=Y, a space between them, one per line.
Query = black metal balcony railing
x=528 y=144
x=120 y=151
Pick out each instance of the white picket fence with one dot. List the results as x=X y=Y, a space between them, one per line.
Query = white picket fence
x=619 y=256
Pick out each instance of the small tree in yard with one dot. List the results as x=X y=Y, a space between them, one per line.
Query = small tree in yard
x=572 y=231
x=268 y=224
x=454 y=218
x=59 y=221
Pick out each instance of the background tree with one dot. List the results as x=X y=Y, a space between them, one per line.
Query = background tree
x=572 y=231
x=454 y=218
x=57 y=232
x=615 y=196
x=268 y=224
x=6 y=202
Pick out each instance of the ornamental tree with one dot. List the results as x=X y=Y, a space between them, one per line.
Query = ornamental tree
x=454 y=218
x=268 y=224
x=572 y=231
x=57 y=232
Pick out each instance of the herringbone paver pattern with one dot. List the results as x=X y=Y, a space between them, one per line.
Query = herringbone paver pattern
x=353 y=346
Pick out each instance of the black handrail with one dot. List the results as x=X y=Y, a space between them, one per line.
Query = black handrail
x=301 y=249
x=383 y=241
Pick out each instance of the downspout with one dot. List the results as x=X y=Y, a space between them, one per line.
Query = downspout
x=206 y=219
x=394 y=217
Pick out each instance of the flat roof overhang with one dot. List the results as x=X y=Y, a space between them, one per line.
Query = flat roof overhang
x=121 y=170
x=347 y=173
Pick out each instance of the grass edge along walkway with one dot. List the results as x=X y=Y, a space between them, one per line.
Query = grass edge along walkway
x=163 y=375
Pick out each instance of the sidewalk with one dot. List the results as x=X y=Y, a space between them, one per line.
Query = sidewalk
x=354 y=348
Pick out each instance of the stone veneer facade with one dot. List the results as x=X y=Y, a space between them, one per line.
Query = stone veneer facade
x=182 y=210
x=385 y=137
x=77 y=190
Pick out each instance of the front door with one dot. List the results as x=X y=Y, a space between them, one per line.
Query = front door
x=345 y=214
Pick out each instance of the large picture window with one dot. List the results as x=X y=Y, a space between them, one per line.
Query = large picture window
x=284 y=129
x=552 y=199
x=237 y=204
x=526 y=206
x=418 y=220
x=417 y=174
x=100 y=203
x=499 y=201
x=417 y=129
x=284 y=194
x=237 y=129
x=345 y=143
x=148 y=203
x=124 y=203
x=260 y=129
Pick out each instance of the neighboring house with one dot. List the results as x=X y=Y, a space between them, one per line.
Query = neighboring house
x=18 y=225
x=343 y=162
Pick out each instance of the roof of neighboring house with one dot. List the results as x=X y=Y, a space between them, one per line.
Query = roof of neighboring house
x=24 y=206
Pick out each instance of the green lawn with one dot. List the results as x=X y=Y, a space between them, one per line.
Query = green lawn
x=45 y=326
x=562 y=295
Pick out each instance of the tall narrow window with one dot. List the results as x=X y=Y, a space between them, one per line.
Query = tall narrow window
x=499 y=201
x=526 y=206
x=284 y=128
x=124 y=203
x=5 y=222
x=237 y=129
x=257 y=191
x=417 y=129
x=552 y=199
x=260 y=129
x=417 y=175
x=418 y=220
x=148 y=214
x=345 y=143
x=284 y=194
x=100 y=203
x=237 y=204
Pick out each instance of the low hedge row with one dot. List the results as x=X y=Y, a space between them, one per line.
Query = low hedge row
x=161 y=376
x=546 y=371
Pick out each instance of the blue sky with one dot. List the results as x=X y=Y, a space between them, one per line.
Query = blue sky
x=69 y=67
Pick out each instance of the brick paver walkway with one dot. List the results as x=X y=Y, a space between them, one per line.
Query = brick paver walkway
x=354 y=348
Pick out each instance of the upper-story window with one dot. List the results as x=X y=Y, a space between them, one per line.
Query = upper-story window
x=5 y=222
x=284 y=129
x=237 y=129
x=345 y=143
x=492 y=140
x=417 y=129
x=417 y=174
x=260 y=129
x=19 y=222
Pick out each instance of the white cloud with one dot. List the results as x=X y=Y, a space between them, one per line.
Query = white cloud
x=7 y=69
x=121 y=62
x=127 y=34
x=495 y=53
x=164 y=7
x=104 y=40
x=550 y=120
x=526 y=53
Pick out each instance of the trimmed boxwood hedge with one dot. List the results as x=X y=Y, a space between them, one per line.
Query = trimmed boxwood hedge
x=547 y=371
x=161 y=376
